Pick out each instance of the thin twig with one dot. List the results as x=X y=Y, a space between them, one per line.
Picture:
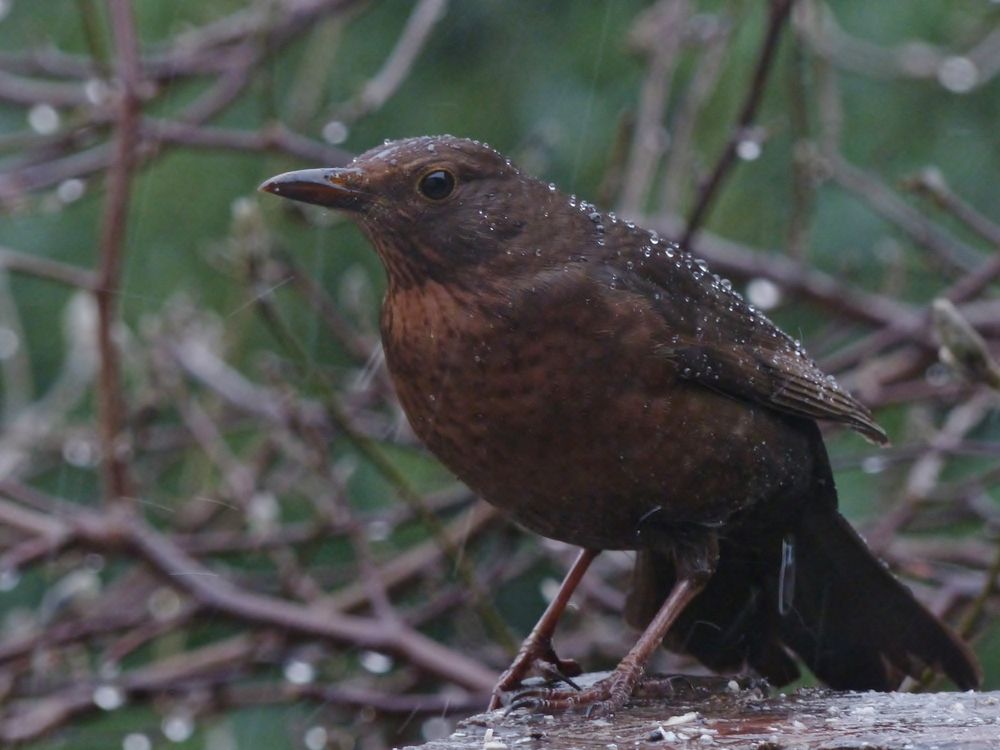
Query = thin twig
x=273 y=138
x=735 y=259
x=214 y=592
x=48 y=269
x=678 y=172
x=926 y=471
x=663 y=24
x=819 y=26
x=946 y=250
x=377 y=91
x=115 y=473
x=777 y=16
x=930 y=183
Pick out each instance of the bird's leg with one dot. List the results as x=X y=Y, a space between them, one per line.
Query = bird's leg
x=614 y=691
x=537 y=651
x=695 y=565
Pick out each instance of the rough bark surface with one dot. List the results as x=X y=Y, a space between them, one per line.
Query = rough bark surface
x=709 y=713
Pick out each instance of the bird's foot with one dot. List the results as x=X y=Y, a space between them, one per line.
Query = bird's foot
x=602 y=698
x=535 y=654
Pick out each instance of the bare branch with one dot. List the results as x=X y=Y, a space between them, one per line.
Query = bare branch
x=45 y=268
x=946 y=249
x=117 y=483
x=663 y=25
x=395 y=69
x=777 y=17
x=930 y=183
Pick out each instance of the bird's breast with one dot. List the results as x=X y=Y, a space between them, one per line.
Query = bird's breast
x=480 y=376
x=544 y=407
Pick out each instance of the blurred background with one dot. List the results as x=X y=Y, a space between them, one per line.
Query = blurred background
x=217 y=530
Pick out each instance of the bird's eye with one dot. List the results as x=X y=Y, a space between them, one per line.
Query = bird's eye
x=436 y=184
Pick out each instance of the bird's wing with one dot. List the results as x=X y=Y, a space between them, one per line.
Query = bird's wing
x=716 y=339
x=791 y=383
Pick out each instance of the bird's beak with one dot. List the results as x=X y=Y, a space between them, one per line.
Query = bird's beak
x=332 y=188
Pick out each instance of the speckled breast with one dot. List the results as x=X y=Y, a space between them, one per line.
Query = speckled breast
x=543 y=405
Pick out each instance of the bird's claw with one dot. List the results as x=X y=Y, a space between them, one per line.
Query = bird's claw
x=601 y=699
x=537 y=655
x=559 y=671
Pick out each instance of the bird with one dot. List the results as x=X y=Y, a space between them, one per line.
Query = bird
x=601 y=386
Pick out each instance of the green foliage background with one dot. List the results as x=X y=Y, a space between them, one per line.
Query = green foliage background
x=549 y=83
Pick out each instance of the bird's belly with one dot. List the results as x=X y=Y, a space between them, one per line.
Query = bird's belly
x=578 y=445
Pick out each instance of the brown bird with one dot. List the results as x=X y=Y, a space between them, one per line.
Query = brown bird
x=602 y=387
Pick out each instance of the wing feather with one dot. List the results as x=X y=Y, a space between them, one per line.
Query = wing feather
x=718 y=340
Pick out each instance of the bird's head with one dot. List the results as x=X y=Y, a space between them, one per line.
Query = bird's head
x=432 y=206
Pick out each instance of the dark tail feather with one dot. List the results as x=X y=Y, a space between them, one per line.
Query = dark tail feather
x=851 y=621
x=727 y=627
x=854 y=624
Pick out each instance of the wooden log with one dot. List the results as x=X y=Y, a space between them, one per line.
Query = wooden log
x=708 y=713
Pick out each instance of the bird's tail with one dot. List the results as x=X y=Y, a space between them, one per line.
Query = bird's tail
x=854 y=623
x=844 y=614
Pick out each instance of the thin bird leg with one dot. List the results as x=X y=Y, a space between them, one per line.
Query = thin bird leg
x=613 y=692
x=537 y=651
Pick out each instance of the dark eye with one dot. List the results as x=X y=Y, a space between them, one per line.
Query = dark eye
x=437 y=184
